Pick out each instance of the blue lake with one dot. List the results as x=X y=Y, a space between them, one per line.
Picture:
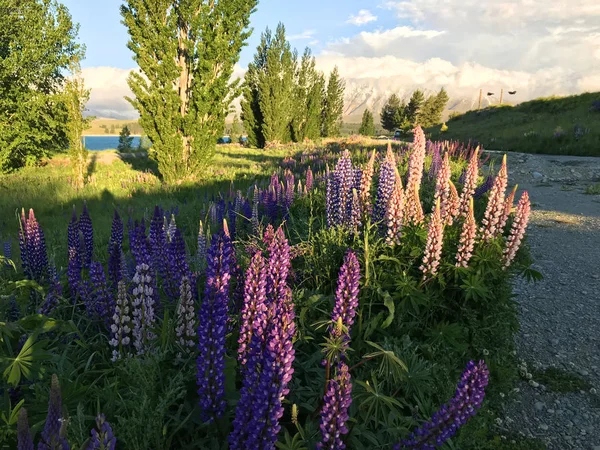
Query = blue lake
x=106 y=142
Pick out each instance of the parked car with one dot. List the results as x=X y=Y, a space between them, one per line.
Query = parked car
x=224 y=140
x=243 y=140
x=397 y=134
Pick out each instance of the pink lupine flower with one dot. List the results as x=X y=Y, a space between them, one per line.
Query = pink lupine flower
x=467 y=238
x=470 y=183
x=433 y=248
x=508 y=206
x=443 y=192
x=417 y=159
x=495 y=207
x=518 y=229
x=395 y=212
x=454 y=202
x=413 y=211
x=366 y=182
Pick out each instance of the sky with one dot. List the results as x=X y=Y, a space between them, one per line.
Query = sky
x=537 y=47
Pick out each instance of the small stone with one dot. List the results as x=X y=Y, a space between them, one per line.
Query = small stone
x=539 y=406
x=550 y=411
x=543 y=427
x=583 y=373
x=554 y=342
x=537 y=175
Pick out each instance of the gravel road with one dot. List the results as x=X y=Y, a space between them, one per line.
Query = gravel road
x=560 y=316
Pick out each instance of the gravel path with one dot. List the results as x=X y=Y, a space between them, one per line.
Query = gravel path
x=560 y=316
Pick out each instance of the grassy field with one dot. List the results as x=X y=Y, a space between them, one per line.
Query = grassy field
x=553 y=125
x=131 y=186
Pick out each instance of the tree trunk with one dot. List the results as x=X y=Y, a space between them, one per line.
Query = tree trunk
x=184 y=85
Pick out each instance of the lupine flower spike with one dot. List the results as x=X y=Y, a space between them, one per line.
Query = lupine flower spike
x=24 y=441
x=143 y=308
x=413 y=210
x=470 y=183
x=442 y=191
x=185 y=328
x=467 y=238
x=508 y=206
x=495 y=207
x=102 y=436
x=395 y=212
x=433 y=248
x=416 y=159
x=445 y=423
x=212 y=320
x=87 y=232
x=334 y=413
x=387 y=179
x=53 y=433
x=121 y=324
x=517 y=230
x=366 y=182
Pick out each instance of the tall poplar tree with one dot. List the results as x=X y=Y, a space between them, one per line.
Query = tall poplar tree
x=276 y=89
x=186 y=51
x=38 y=45
x=333 y=105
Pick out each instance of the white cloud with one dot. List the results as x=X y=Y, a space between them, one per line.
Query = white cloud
x=363 y=17
x=109 y=87
x=306 y=34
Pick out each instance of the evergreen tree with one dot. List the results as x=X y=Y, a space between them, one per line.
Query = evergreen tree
x=392 y=113
x=333 y=105
x=38 y=44
x=236 y=129
x=75 y=98
x=314 y=106
x=426 y=115
x=125 y=140
x=186 y=51
x=441 y=101
x=305 y=78
x=275 y=89
x=251 y=113
x=414 y=106
x=367 y=126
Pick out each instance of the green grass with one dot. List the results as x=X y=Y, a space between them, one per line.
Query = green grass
x=558 y=380
x=531 y=127
x=593 y=189
x=131 y=186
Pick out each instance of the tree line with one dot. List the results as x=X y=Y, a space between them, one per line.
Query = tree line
x=398 y=115
x=285 y=98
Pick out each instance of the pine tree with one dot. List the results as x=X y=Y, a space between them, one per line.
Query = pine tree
x=305 y=80
x=333 y=105
x=367 y=126
x=392 y=113
x=314 y=106
x=125 y=140
x=186 y=51
x=441 y=101
x=275 y=89
x=414 y=107
x=75 y=98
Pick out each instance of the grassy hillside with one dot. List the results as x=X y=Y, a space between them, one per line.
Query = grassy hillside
x=554 y=125
x=108 y=127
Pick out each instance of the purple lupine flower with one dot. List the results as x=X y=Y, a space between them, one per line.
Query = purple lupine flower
x=212 y=319
x=254 y=305
x=269 y=359
x=144 y=293
x=289 y=190
x=14 y=313
x=185 y=320
x=103 y=297
x=7 y=250
x=309 y=180
x=170 y=229
x=115 y=249
x=201 y=248
x=445 y=423
x=254 y=220
x=484 y=187
x=346 y=294
x=138 y=243
x=102 y=436
x=33 y=248
x=157 y=238
x=52 y=435
x=24 y=441
x=247 y=210
x=436 y=162
x=120 y=327
x=334 y=413
x=387 y=180
x=87 y=231
x=177 y=265
x=54 y=292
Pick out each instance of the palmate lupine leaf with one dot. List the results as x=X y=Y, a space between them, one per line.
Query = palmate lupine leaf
x=374 y=404
x=390 y=365
x=26 y=362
